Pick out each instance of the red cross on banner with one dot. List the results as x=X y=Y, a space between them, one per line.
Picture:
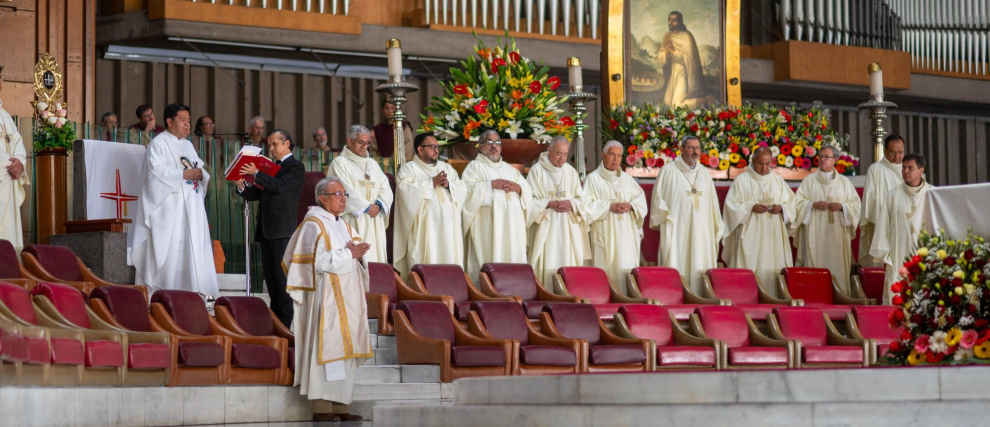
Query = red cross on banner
x=120 y=197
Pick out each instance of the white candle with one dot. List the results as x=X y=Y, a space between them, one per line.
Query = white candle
x=876 y=80
x=574 y=74
x=394 y=50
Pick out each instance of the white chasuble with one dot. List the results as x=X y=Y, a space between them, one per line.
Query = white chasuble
x=881 y=177
x=367 y=185
x=494 y=220
x=897 y=228
x=557 y=239
x=615 y=237
x=823 y=237
x=327 y=286
x=172 y=245
x=12 y=193
x=758 y=242
x=685 y=211
x=427 y=219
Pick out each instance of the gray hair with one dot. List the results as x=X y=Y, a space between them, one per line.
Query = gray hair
x=559 y=139
x=610 y=144
x=688 y=138
x=356 y=130
x=257 y=119
x=324 y=183
x=484 y=135
x=108 y=115
x=317 y=129
x=835 y=150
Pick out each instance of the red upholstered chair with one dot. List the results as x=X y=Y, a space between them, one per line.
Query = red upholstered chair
x=605 y=351
x=251 y=317
x=248 y=360
x=308 y=196
x=24 y=353
x=743 y=289
x=426 y=333
x=593 y=286
x=60 y=265
x=532 y=352
x=817 y=288
x=448 y=280
x=666 y=286
x=868 y=283
x=194 y=360
x=12 y=271
x=816 y=341
x=60 y=358
x=743 y=346
x=671 y=347
x=507 y=280
x=383 y=295
x=873 y=323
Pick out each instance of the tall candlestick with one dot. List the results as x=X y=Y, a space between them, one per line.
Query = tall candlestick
x=574 y=74
x=876 y=81
x=394 y=50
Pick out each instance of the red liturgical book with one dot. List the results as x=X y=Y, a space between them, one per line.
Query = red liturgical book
x=250 y=154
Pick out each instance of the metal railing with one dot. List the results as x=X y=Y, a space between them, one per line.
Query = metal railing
x=332 y=7
x=528 y=16
x=946 y=35
x=224 y=208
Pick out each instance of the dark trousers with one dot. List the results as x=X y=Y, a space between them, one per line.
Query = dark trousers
x=271 y=262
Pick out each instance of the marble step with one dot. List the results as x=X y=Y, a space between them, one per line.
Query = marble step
x=384 y=356
x=402 y=391
x=366 y=409
x=391 y=374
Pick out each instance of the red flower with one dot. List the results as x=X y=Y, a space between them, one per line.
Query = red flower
x=839 y=168
x=906 y=335
x=613 y=124
x=704 y=159
x=895 y=346
x=897 y=287
x=742 y=163
x=752 y=136
x=950 y=261
x=689 y=116
x=514 y=57
x=497 y=62
x=461 y=89
x=659 y=162
x=785 y=149
x=535 y=87
x=896 y=316
x=694 y=128
x=733 y=147
x=567 y=121
x=968 y=255
x=481 y=107
x=553 y=83
x=629 y=113
x=897 y=300
x=728 y=128
x=790 y=128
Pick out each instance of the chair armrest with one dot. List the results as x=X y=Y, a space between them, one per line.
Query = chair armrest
x=415 y=348
x=44 y=308
x=757 y=338
x=610 y=338
x=225 y=319
x=856 y=287
x=542 y=294
x=633 y=286
x=852 y=328
x=164 y=320
x=377 y=305
x=475 y=326
x=235 y=338
x=765 y=298
x=99 y=308
x=548 y=328
x=692 y=298
x=782 y=287
x=475 y=295
x=841 y=298
x=561 y=287
x=486 y=287
x=685 y=338
x=43 y=305
x=463 y=337
x=621 y=327
x=836 y=338
x=537 y=338
x=281 y=330
x=22 y=282
x=618 y=297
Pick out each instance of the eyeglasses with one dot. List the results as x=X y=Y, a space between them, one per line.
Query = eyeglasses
x=430 y=147
x=827 y=157
x=362 y=143
x=493 y=142
x=338 y=194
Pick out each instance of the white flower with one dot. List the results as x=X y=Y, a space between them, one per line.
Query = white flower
x=453 y=118
x=963 y=354
x=789 y=162
x=58 y=105
x=774 y=150
x=540 y=134
x=52 y=119
x=61 y=121
x=42 y=106
x=937 y=344
x=514 y=129
x=44 y=115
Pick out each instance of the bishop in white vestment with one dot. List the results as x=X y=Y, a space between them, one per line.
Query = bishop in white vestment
x=370 y=201
x=757 y=211
x=900 y=221
x=881 y=177
x=12 y=180
x=494 y=215
x=615 y=207
x=558 y=232
x=429 y=197
x=685 y=210
x=172 y=245
x=826 y=207
x=327 y=278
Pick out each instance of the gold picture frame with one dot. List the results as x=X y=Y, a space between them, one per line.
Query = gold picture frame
x=48 y=83
x=616 y=52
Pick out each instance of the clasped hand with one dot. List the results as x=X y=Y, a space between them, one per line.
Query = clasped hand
x=15 y=169
x=773 y=209
x=506 y=186
x=440 y=180
x=195 y=174
x=358 y=249
x=619 y=208
x=560 y=206
x=826 y=206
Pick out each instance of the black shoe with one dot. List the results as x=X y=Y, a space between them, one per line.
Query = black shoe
x=332 y=418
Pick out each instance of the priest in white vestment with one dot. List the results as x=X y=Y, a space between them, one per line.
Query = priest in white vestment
x=12 y=178
x=685 y=210
x=615 y=208
x=428 y=200
x=757 y=212
x=494 y=215
x=881 y=177
x=172 y=245
x=370 y=201
x=826 y=207
x=327 y=278
x=901 y=220
x=557 y=228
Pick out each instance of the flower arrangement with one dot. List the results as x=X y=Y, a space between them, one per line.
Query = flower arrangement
x=729 y=134
x=497 y=89
x=943 y=303
x=50 y=127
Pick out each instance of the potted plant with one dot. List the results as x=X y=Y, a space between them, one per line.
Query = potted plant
x=498 y=88
x=53 y=138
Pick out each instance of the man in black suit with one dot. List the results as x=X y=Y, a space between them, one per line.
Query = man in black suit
x=279 y=196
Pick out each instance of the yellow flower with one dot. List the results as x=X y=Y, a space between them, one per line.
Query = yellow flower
x=713 y=153
x=764 y=127
x=797 y=150
x=733 y=157
x=801 y=142
x=648 y=154
x=941 y=254
x=723 y=164
x=958 y=274
x=780 y=132
x=923 y=252
x=914 y=358
x=952 y=338
x=982 y=351
x=502 y=124
x=781 y=159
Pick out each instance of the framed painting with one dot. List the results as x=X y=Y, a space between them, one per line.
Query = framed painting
x=672 y=52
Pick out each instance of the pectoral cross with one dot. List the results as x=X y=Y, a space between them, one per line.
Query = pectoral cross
x=695 y=194
x=368 y=184
x=766 y=200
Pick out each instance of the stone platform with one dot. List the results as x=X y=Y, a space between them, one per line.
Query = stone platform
x=824 y=397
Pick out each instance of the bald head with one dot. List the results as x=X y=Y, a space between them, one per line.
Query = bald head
x=761 y=160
